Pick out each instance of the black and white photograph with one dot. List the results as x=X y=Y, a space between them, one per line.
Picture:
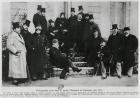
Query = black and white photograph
x=70 y=43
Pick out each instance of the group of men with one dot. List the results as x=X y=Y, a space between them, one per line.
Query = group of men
x=29 y=56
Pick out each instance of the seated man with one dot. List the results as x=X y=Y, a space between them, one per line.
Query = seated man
x=61 y=60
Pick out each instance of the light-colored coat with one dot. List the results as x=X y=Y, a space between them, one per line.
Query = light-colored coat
x=17 y=64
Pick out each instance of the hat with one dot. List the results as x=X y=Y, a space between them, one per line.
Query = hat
x=86 y=14
x=43 y=10
x=27 y=22
x=126 y=29
x=91 y=16
x=114 y=26
x=55 y=41
x=39 y=7
x=16 y=25
x=72 y=9
x=80 y=7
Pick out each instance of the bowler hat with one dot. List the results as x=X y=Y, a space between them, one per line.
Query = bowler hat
x=27 y=22
x=114 y=26
x=80 y=7
x=126 y=29
x=72 y=9
x=39 y=7
x=16 y=25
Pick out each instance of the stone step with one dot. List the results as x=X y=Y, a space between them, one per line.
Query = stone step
x=80 y=64
x=86 y=71
x=78 y=59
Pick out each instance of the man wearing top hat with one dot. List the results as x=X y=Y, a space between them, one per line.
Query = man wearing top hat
x=81 y=11
x=17 y=55
x=43 y=22
x=129 y=48
x=114 y=45
x=27 y=36
x=72 y=28
x=37 y=17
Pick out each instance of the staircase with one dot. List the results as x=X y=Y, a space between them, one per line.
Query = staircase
x=80 y=63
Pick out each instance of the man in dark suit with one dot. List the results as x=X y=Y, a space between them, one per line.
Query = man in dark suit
x=37 y=16
x=61 y=25
x=27 y=36
x=129 y=49
x=114 y=45
x=39 y=59
x=43 y=22
x=60 y=60
x=72 y=28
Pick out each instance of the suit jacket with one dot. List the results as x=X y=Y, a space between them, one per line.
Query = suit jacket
x=17 y=64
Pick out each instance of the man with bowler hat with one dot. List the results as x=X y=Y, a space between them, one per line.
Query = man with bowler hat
x=129 y=48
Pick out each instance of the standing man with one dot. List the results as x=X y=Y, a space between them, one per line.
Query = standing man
x=27 y=36
x=38 y=54
x=72 y=28
x=37 y=17
x=61 y=25
x=17 y=55
x=114 y=45
x=79 y=34
x=130 y=47
x=43 y=22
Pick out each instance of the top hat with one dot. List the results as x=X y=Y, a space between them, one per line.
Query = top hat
x=43 y=10
x=27 y=22
x=16 y=25
x=126 y=29
x=72 y=9
x=39 y=7
x=91 y=16
x=114 y=26
x=80 y=7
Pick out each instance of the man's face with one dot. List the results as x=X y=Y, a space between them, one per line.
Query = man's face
x=79 y=17
x=38 y=31
x=87 y=17
x=96 y=34
x=43 y=13
x=127 y=32
x=25 y=27
x=72 y=13
x=91 y=20
x=52 y=24
x=114 y=31
x=62 y=16
x=17 y=30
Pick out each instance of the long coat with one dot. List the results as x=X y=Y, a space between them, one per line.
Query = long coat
x=37 y=19
x=38 y=58
x=17 y=64
x=115 y=47
x=129 y=48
